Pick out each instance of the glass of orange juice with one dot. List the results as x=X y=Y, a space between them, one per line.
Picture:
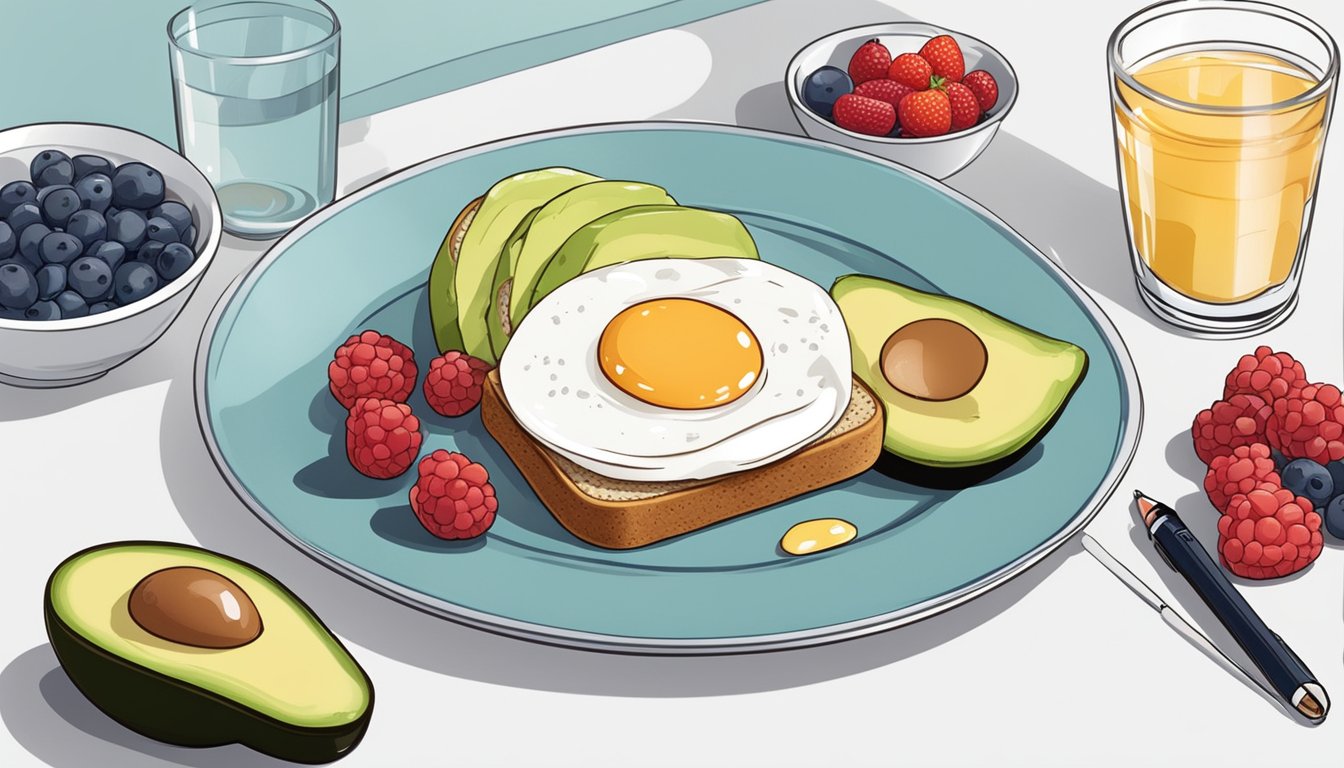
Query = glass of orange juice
x=1221 y=110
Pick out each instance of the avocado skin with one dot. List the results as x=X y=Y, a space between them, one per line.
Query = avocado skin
x=174 y=712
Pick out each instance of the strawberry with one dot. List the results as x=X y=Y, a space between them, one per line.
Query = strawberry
x=965 y=107
x=984 y=87
x=886 y=90
x=870 y=62
x=864 y=115
x=910 y=69
x=944 y=55
x=926 y=113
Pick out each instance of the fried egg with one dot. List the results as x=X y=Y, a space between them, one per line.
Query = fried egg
x=679 y=369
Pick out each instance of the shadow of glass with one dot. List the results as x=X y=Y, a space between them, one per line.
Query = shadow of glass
x=49 y=717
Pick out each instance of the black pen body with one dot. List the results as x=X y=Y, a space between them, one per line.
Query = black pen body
x=1280 y=666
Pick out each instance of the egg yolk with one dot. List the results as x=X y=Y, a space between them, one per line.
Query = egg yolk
x=680 y=353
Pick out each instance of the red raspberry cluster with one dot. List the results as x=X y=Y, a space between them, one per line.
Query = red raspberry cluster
x=1265 y=530
x=372 y=375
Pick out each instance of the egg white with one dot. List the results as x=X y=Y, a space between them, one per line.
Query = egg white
x=556 y=389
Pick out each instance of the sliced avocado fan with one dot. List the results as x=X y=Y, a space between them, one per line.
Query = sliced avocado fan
x=646 y=232
x=502 y=208
x=536 y=240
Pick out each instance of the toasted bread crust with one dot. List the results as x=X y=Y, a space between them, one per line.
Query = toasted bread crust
x=639 y=514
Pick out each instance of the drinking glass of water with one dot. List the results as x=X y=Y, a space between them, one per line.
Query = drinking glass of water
x=255 y=86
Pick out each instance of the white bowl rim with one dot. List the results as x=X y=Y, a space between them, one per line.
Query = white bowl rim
x=898 y=28
x=185 y=282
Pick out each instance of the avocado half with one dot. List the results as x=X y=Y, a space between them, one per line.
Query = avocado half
x=294 y=692
x=1028 y=378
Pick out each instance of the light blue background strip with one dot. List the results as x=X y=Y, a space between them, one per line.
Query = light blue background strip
x=107 y=62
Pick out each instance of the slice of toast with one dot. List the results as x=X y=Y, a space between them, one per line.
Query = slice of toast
x=621 y=514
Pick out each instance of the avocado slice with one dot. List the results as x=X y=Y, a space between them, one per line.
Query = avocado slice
x=442 y=288
x=1027 y=377
x=500 y=211
x=528 y=252
x=646 y=232
x=293 y=692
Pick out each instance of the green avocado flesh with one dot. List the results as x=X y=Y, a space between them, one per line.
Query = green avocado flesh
x=294 y=692
x=503 y=207
x=528 y=252
x=646 y=232
x=1028 y=377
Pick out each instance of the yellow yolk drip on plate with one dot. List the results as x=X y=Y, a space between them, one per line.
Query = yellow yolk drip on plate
x=680 y=353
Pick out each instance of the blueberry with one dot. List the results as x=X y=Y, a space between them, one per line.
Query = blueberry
x=50 y=281
x=1280 y=461
x=51 y=166
x=60 y=248
x=9 y=242
x=30 y=242
x=43 y=310
x=1305 y=477
x=100 y=307
x=18 y=287
x=25 y=214
x=71 y=304
x=1336 y=470
x=88 y=226
x=176 y=213
x=15 y=193
x=109 y=251
x=127 y=227
x=1334 y=517
x=95 y=192
x=59 y=204
x=823 y=87
x=161 y=231
x=10 y=314
x=149 y=252
x=136 y=185
x=134 y=281
x=189 y=239
x=89 y=277
x=175 y=260
x=86 y=164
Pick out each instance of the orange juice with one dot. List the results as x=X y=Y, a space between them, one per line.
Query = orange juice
x=1219 y=201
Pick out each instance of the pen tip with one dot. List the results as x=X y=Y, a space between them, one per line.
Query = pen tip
x=1138 y=494
x=1310 y=707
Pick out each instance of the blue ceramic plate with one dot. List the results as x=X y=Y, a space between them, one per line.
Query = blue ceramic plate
x=815 y=209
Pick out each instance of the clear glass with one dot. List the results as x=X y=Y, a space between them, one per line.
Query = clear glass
x=1221 y=111
x=256 y=86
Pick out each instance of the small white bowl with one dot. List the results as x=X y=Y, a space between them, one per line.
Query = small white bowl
x=54 y=353
x=937 y=156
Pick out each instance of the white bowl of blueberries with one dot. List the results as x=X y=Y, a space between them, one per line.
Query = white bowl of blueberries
x=862 y=67
x=104 y=235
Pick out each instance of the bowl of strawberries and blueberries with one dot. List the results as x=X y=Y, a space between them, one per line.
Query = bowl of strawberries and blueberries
x=896 y=89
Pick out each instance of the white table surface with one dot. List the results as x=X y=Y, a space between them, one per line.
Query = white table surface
x=1061 y=666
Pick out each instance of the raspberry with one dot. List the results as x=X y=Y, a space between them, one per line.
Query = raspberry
x=382 y=437
x=1227 y=424
x=1268 y=533
x=1309 y=424
x=453 y=497
x=372 y=365
x=453 y=384
x=1267 y=373
x=1242 y=471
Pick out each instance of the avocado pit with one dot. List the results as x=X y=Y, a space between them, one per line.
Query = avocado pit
x=194 y=606
x=934 y=359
